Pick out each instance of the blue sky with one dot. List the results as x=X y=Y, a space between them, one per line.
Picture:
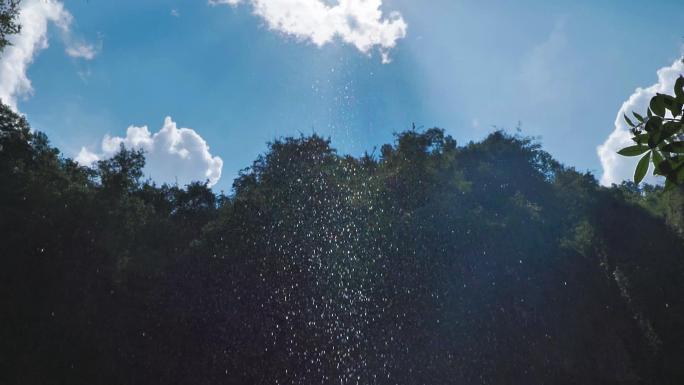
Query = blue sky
x=563 y=70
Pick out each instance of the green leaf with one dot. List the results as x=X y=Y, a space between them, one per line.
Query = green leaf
x=642 y=168
x=669 y=184
x=633 y=150
x=638 y=117
x=657 y=160
x=673 y=169
x=674 y=147
x=670 y=128
x=641 y=138
x=654 y=139
x=657 y=105
x=653 y=123
x=629 y=121
x=679 y=89
x=665 y=168
x=672 y=163
x=680 y=175
x=672 y=105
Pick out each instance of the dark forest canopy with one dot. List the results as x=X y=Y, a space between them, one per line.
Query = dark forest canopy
x=430 y=263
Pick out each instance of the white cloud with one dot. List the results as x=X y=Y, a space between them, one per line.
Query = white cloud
x=34 y=17
x=617 y=168
x=82 y=50
x=544 y=73
x=173 y=154
x=221 y=2
x=360 y=23
x=86 y=157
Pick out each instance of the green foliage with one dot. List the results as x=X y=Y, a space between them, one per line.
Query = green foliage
x=667 y=204
x=642 y=168
x=431 y=263
x=9 y=9
x=633 y=150
x=662 y=131
x=582 y=239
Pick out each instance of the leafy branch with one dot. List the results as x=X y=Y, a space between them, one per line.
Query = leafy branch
x=659 y=137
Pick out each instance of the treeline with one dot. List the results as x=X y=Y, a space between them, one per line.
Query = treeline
x=428 y=263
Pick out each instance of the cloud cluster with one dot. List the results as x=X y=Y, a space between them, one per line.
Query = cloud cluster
x=617 y=168
x=360 y=23
x=34 y=17
x=174 y=155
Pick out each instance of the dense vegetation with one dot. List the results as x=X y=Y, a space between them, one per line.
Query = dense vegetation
x=9 y=12
x=428 y=263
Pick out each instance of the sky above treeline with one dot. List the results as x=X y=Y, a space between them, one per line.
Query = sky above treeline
x=202 y=85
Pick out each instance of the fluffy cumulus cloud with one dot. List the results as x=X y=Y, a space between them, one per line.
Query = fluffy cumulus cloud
x=617 y=168
x=360 y=23
x=34 y=17
x=174 y=155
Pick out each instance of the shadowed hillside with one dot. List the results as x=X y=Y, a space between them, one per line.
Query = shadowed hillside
x=428 y=263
